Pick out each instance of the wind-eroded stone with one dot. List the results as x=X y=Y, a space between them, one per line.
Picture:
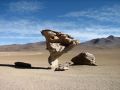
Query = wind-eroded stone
x=57 y=44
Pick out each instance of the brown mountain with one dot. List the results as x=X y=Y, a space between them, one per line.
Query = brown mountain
x=38 y=46
x=109 y=42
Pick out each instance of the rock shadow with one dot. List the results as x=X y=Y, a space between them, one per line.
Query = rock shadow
x=22 y=65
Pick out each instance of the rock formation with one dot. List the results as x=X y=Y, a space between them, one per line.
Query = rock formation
x=84 y=58
x=57 y=44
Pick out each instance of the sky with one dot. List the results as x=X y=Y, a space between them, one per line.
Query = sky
x=22 y=20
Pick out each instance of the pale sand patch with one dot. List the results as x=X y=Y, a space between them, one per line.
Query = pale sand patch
x=19 y=53
x=105 y=76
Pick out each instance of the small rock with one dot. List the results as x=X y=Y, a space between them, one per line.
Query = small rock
x=22 y=65
x=62 y=67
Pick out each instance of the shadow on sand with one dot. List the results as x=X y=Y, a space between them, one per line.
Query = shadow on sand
x=22 y=65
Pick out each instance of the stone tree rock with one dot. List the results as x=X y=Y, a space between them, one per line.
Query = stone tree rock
x=84 y=58
x=57 y=44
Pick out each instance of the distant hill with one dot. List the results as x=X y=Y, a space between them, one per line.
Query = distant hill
x=109 y=42
x=38 y=46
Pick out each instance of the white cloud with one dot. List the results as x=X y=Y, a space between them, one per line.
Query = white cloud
x=25 y=6
x=29 y=31
x=106 y=13
x=19 y=31
x=59 y=25
x=93 y=32
x=83 y=33
x=23 y=28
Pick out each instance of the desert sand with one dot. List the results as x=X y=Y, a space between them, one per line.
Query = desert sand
x=105 y=76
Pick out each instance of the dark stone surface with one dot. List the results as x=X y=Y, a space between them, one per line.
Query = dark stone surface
x=84 y=59
x=22 y=65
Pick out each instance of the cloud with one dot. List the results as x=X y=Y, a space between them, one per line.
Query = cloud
x=60 y=25
x=106 y=13
x=26 y=31
x=19 y=29
x=92 y=32
x=81 y=32
x=25 y=6
x=95 y=23
x=83 y=25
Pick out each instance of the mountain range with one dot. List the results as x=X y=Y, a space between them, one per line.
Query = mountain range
x=108 y=42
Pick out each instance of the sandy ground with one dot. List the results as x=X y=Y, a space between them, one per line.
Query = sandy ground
x=105 y=76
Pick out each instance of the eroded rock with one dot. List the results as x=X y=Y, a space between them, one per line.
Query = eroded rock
x=57 y=44
x=84 y=58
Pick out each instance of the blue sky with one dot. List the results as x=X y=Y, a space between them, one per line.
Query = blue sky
x=22 y=20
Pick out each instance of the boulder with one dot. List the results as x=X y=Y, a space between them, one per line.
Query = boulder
x=22 y=65
x=84 y=58
x=57 y=44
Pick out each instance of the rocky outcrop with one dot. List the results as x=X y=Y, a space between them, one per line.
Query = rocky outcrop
x=57 y=44
x=84 y=58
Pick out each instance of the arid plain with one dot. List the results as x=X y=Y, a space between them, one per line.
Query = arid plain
x=105 y=76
